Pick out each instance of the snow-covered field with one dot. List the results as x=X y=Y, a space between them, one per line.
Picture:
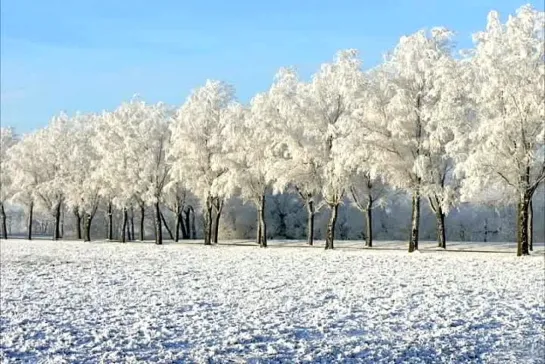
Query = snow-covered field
x=92 y=302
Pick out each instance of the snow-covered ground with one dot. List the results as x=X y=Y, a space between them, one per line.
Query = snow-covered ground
x=112 y=302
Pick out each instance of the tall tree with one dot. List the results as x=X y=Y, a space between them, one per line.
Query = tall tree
x=250 y=156
x=132 y=142
x=507 y=149
x=198 y=146
x=7 y=139
x=295 y=156
x=83 y=182
x=52 y=149
x=332 y=94
x=408 y=115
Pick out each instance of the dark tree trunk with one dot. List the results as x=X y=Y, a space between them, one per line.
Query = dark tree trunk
x=110 y=222
x=186 y=228
x=262 y=223
x=30 y=218
x=133 y=237
x=369 y=226
x=441 y=232
x=310 y=222
x=177 y=228
x=208 y=222
x=78 y=224
x=166 y=226
x=142 y=217
x=62 y=223
x=57 y=230
x=158 y=226
x=530 y=226
x=415 y=221
x=218 y=207
x=485 y=230
x=87 y=220
x=124 y=226
x=258 y=221
x=193 y=229
x=129 y=237
x=330 y=234
x=4 y=225
x=522 y=225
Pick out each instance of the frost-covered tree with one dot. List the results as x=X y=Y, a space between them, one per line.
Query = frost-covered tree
x=198 y=149
x=332 y=95
x=7 y=139
x=366 y=185
x=409 y=113
x=23 y=166
x=507 y=150
x=132 y=142
x=250 y=153
x=83 y=182
x=51 y=150
x=295 y=162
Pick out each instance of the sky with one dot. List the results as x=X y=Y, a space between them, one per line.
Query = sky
x=91 y=55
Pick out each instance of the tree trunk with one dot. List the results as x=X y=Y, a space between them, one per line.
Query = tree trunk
x=124 y=226
x=208 y=222
x=522 y=225
x=219 y=207
x=330 y=234
x=4 y=225
x=78 y=223
x=30 y=217
x=262 y=223
x=142 y=217
x=184 y=226
x=441 y=233
x=110 y=222
x=177 y=228
x=87 y=219
x=369 y=227
x=57 y=231
x=258 y=221
x=61 y=235
x=193 y=229
x=129 y=236
x=133 y=237
x=530 y=226
x=310 y=222
x=166 y=226
x=158 y=226
x=415 y=221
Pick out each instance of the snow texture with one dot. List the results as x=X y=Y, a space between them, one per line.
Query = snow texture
x=111 y=302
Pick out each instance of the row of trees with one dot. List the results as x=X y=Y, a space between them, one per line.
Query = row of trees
x=439 y=127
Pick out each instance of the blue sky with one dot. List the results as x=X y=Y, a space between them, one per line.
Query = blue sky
x=90 y=55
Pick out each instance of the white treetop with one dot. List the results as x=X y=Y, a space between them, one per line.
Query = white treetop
x=7 y=140
x=198 y=141
x=83 y=183
x=408 y=110
x=295 y=164
x=507 y=146
x=132 y=142
x=52 y=149
x=332 y=95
